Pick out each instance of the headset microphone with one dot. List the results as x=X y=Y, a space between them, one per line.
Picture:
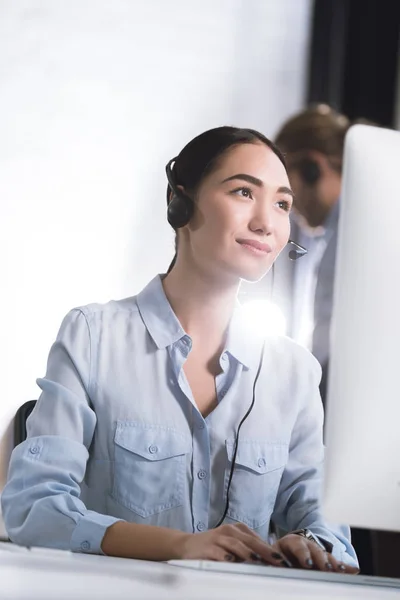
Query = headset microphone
x=295 y=254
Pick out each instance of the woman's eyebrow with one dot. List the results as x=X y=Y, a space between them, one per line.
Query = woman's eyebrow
x=285 y=190
x=257 y=182
x=245 y=177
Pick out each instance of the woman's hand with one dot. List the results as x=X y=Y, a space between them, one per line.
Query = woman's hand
x=306 y=554
x=230 y=543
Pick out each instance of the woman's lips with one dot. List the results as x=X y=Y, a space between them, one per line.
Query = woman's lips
x=256 y=247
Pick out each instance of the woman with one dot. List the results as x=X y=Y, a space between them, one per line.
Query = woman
x=132 y=448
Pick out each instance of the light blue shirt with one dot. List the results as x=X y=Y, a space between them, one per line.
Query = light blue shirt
x=116 y=433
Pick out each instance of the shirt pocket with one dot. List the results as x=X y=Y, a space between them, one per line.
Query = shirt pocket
x=256 y=478
x=149 y=467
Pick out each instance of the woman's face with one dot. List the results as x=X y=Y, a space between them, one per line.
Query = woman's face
x=241 y=221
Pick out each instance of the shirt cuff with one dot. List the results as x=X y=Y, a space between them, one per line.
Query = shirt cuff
x=89 y=532
x=340 y=551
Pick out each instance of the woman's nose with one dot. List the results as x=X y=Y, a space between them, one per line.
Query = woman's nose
x=262 y=221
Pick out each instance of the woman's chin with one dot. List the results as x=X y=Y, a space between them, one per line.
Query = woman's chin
x=243 y=270
x=253 y=275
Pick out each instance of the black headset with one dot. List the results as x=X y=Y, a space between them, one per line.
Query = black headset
x=181 y=208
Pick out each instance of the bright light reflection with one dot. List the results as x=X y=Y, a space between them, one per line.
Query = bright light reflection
x=264 y=317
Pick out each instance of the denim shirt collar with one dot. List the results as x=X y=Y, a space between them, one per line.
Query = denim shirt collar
x=165 y=328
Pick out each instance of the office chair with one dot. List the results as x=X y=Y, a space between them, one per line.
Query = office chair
x=20 y=421
x=20 y=432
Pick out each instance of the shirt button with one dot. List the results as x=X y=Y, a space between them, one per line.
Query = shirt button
x=202 y=474
x=201 y=526
x=85 y=545
x=201 y=425
x=261 y=462
x=224 y=357
x=34 y=449
x=153 y=449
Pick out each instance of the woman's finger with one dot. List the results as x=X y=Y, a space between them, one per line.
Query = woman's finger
x=268 y=554
x=344 y=568
x=257 y=547
x=245 y=529
x=234 y=546
x=296 y=550
x=327 y=562
x=220 y=554
x=323 y=561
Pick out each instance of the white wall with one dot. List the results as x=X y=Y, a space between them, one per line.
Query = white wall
x=96 y=96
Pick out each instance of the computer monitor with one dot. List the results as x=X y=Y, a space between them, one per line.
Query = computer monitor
x=362 y=486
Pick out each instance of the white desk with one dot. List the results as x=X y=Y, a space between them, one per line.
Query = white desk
x=49 y=574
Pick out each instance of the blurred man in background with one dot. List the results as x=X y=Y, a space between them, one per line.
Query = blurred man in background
x=313 y=142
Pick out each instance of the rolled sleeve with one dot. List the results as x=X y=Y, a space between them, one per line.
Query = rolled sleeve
x=89 y=532
x=41 y=502
x=298 y=504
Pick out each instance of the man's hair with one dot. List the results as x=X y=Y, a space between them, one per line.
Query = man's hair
x=318 y=128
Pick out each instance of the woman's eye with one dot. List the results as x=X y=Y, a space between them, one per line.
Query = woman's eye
x=244 y=192
x=284 y=205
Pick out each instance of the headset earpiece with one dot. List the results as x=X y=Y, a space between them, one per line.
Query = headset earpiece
x=180 y=205
x=180 y=210
x=309 y=171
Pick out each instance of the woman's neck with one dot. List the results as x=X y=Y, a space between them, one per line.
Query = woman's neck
x=203 y=305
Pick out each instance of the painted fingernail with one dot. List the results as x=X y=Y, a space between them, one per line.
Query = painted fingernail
x=286 y=563
x=277 y=556
x=255 y=557
x=342 y=568
x=229 y=557
x=309 y=562
x=328 y=565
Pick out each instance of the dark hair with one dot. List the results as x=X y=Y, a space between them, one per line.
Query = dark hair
x=318 y=128
x=201 y=155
